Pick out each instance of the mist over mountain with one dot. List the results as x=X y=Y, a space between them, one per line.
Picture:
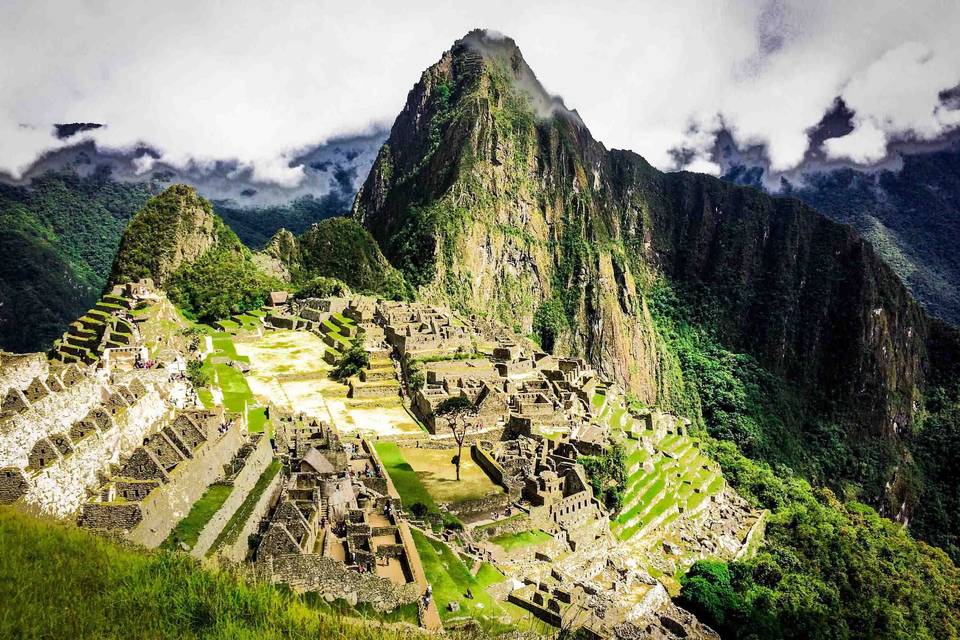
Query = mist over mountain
x=62 y=220
x=335 y=166
x=907 y=204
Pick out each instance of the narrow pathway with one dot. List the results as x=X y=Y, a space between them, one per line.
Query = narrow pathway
x=430 y=616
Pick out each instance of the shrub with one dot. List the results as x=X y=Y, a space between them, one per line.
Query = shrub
x=196 y=374
x=322 y=287
x=419 y=510
x=549 y=323
x=352 y=361
x=220 y=284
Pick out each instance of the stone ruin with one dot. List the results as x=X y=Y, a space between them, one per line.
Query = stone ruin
x=337 y=512
x=62 y=430
x=161 y=479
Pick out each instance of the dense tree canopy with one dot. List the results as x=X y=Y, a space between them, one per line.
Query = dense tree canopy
x=827 y=569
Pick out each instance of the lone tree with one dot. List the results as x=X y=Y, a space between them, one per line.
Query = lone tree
x=352 y=361
x=458 y=411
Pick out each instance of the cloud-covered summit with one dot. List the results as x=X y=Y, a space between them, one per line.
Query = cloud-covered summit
x=253 y=83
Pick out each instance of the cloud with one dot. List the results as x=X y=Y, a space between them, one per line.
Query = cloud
x=257 y=83
x=897 y=97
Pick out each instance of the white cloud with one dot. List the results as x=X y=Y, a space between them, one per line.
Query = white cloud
x=250 y=81
x=898 y=96
x=867 y=143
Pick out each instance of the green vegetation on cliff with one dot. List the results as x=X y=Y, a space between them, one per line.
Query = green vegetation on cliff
x=935 y=447
x=912 y=217
x=826 y=570
x=219 y=285
x=57 y=581
x=733 y=397
x=177 y=240
x=58 y=237
x=338 y=248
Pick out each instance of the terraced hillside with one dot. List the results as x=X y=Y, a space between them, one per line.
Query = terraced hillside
x=676 y=507
x=104 y=326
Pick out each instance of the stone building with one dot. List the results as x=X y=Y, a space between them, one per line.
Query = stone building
x=159 y=482
x=337 y=508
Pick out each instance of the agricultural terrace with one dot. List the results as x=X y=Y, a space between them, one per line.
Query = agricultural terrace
x=228 y=385
x=667 y=475
x=455 y=582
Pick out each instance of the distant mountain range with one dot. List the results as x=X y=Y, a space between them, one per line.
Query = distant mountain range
x=60 y=224
x=908 y=207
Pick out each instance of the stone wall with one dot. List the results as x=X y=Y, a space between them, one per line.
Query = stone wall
x=333 y=580
x=493 y=502
x=376 y=484
x=254 y=466
x=17 y=370
x=444 y=438
x=111 y=515
x=54 y=413
x=504 y=527
x=413 y=557
x=171 y=502
x=61 y=488
x=238 y=550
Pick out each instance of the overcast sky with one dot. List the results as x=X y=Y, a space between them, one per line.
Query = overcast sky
x=256 y=81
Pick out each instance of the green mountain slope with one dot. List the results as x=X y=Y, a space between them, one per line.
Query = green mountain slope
x=911 y=216
x=337 y=248
x=58 y=237
x=472 y=179
x=179 y=242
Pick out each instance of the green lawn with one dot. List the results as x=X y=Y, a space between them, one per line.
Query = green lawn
x=256 y=418
x=247 y=321
x=438 y=474
x=404 y=478
x=229 y=325
x=236 y=392
x=242 y=514
x=511 y=541
x=188 y=530
x=451 y=580
x=59 y=581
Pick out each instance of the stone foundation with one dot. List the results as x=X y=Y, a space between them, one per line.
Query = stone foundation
x=165 y=506
x=61 y=488
x=333 y=580
x=239 y=549
x=54 y=413
x=18 y=370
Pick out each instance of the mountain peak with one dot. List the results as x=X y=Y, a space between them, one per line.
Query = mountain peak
x=175 y=227
x=503 y=52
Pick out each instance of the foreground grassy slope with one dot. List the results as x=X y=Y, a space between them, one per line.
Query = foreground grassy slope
x=63 y=582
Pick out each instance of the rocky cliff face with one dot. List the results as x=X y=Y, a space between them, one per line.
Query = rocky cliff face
x=173 y=228
x=491 y=195
x=487 y=201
